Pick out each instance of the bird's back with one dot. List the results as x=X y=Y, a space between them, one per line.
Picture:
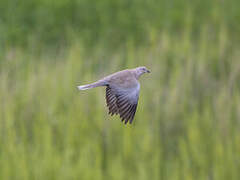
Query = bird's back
x=122 y=79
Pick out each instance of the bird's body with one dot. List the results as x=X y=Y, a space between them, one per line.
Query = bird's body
x=122 y=91
x=123 y=79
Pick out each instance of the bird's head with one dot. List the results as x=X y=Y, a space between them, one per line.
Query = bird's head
x=141 y=70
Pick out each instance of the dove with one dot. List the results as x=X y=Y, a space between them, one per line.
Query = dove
x=122 y=92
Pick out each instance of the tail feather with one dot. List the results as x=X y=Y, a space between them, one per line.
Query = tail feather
x=89 y=86
x=83 y=87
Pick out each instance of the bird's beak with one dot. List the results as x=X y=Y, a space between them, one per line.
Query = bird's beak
x=148 y=71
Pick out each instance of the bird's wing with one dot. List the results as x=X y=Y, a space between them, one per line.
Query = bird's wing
x=111 y=101
x=123 y=101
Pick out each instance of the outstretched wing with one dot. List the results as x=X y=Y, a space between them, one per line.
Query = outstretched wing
x=111 y=101
x=123 y=102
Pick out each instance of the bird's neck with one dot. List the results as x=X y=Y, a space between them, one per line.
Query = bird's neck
x=138 y=74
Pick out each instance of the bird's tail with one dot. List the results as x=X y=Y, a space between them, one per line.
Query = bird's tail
x=93 y=85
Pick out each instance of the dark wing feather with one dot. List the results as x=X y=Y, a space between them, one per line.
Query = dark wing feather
x=127 y=108
x=111 y=100
x=122 y=102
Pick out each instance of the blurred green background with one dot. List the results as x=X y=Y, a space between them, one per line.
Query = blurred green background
x=187 y=124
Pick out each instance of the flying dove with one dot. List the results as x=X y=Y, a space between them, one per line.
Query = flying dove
x=122 y=92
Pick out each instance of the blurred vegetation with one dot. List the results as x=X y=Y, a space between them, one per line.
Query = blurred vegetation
x=113 y=22
x=187 y=125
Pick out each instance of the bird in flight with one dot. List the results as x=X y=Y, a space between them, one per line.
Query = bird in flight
x=122 y=92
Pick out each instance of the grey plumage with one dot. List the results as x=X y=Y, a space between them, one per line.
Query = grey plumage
x=122 y=92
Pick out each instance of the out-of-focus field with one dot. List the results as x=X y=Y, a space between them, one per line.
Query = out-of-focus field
x=187 y=124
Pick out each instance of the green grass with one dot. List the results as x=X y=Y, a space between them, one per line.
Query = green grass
x=187 y=122
x=47 y=22
x=186 y=125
